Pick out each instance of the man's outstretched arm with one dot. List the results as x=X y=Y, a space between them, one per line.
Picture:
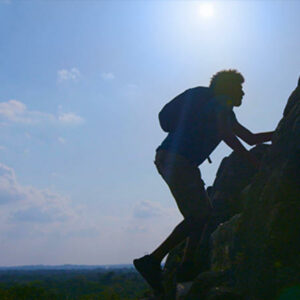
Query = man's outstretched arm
x=229 y=137
x=232 y=141
x=251 y=138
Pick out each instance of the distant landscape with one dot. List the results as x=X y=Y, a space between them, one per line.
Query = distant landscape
x=71 y=282
x=66 y=267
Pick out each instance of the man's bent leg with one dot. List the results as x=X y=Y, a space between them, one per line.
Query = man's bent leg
x=196 y=234
x=180 y=232
x=149 y=265
x=192 y=242
x=187 y=270
x=187 y=187
x=184 y=181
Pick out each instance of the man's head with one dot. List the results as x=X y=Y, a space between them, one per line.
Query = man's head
x=228 y=83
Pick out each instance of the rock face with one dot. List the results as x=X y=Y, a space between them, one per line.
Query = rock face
x=251 y=249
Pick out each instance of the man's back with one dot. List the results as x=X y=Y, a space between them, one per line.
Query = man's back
x=197 y=134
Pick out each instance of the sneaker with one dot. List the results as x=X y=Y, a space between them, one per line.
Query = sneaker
x=150 y=269
x=186 y=272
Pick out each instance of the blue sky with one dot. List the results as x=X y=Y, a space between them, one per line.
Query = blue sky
x=82 y=83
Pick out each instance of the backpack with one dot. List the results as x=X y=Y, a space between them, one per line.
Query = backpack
x=184 y=109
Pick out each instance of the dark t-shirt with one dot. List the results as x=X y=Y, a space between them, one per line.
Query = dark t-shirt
x=196 y=140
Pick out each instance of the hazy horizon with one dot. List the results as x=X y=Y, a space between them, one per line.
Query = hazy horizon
x=81 y=87
x=65 y=266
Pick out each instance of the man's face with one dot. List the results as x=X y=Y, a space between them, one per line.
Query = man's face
x=237 y=94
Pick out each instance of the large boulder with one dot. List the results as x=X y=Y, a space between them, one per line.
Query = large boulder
x=269 y=231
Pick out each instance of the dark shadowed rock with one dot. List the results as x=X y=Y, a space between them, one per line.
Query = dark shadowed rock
x=269 y=230
x=292 y=100
x=223 y=240
x=204 y=283
x=233 y=176
x=223 y=293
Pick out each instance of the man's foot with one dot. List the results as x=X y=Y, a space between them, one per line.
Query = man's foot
x=186 y=272
x=150 y=269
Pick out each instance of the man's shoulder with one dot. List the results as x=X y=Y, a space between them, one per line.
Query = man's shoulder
x=202 y=90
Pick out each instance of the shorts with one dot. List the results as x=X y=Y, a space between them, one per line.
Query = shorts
x=185 y=183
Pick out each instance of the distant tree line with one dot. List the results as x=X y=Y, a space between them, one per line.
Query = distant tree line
x=120 y=284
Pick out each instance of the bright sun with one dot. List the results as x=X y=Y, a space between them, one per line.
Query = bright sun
x=206 y=10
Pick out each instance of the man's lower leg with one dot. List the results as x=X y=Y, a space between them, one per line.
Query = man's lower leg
x=187 y=270
x=192 y=243
x=180 y=232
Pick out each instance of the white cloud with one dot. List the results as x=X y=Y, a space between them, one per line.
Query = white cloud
x=65 y=75
x=34 y=214
x=43 y=226
x=10 y=191
x=27 y=200
x=70 y=118
x=107 y=76
x=29 y=211
x=12 y=108
x=147 y=209
x=17 y=112
x=2 y=148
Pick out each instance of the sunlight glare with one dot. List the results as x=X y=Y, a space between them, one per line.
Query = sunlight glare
x=206 y=10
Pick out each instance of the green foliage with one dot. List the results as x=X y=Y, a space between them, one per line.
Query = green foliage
x=291 y=293
x=98 y=284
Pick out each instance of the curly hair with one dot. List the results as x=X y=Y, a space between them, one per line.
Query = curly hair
x=223 y=80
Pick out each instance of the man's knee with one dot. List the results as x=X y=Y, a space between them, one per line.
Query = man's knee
x=197 y=222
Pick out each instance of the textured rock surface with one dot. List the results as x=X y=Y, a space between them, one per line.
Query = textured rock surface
x=254 y=251
x=268 y=237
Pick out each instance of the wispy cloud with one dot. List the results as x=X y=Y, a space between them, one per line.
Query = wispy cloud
x=54 y=225
x=34 y=214
x=29 y=198
x=40 y=214
x=2 y=148
x=27 y=204
x=107 y=76
x=72 y=74
x=16 y=112
x=147 y=209
x=70 y=118
x=10 y=191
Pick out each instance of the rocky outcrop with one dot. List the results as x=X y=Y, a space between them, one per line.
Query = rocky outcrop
x=268 y=235
x=251 y=249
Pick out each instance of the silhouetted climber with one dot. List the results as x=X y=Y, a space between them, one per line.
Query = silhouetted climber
x=197 y=121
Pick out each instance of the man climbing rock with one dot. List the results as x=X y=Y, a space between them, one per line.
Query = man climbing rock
x=196 y=121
